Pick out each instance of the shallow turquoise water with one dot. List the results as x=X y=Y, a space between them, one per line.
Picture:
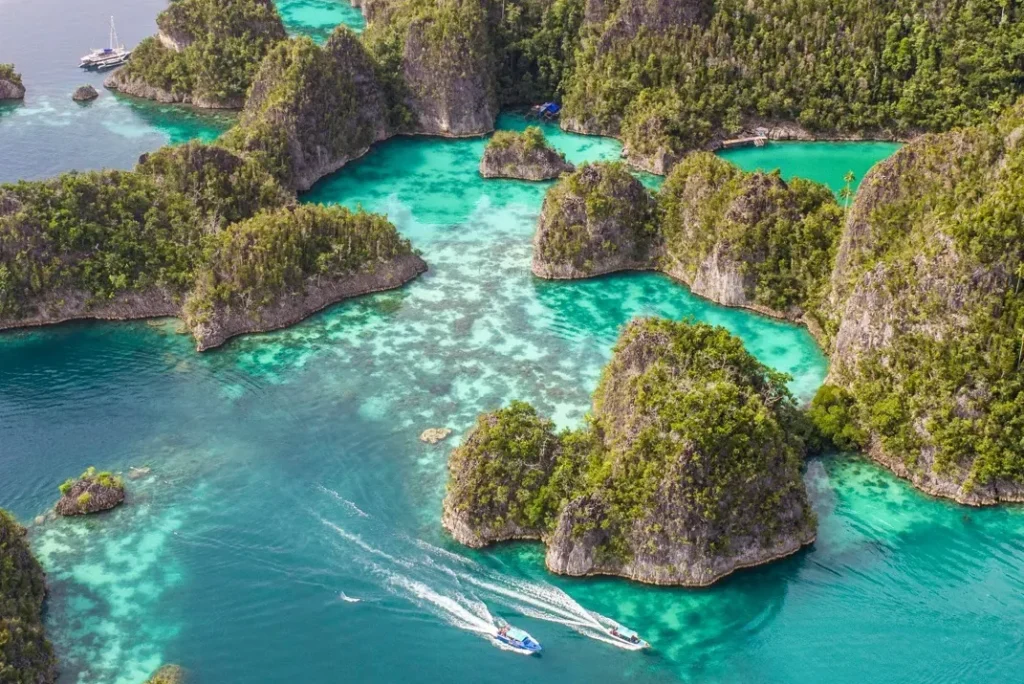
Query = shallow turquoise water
x=287 y=471
x=822 y=162
x=318 y=18
x=286 y=467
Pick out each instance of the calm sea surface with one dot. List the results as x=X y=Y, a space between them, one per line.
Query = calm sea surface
x=289 y=528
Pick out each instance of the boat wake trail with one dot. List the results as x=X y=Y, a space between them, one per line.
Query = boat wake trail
x=459 y=590
x=345 y=502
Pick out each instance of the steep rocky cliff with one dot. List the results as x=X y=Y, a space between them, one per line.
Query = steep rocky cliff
x=526 y=156
x=597 y=220
x=748 y=239
x=926 y=310
x=689 y=469
x=313 y=109
x=25 y=654
x=11 y=86
x=439 y=61
x=206 y=53
x=740 y=239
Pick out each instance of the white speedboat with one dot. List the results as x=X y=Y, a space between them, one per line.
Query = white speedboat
x=104 y=58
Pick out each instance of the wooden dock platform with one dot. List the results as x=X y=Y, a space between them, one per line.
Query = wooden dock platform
x=755 y=140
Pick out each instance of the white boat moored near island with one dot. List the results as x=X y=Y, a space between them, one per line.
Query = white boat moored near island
x=105 y=58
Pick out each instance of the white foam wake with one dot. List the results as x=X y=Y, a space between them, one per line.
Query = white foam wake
x=348 y=504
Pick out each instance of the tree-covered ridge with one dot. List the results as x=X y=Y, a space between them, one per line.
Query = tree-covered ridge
x=688 y=468
x=254 y=261
x=776 y=239
x=102 y=233
x=207 y=50
x=928 y=311
x=670 y=76
x=195 y=226
x=25 y=655
x=311 y=109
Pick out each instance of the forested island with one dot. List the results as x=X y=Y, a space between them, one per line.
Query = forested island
x=690 y=464
x=688 y=468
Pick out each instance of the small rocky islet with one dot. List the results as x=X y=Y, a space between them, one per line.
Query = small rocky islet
x=91 y=492
x=11 y=86
x=524 y=156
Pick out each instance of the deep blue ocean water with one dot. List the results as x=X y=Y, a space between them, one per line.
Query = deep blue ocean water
x=289 y=527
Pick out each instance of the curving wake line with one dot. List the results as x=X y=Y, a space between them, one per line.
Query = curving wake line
x=348 y=599
x=348 y=504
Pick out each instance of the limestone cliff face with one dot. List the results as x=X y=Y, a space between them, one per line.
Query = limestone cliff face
x=312 y=109
x=597 y=220
x=525 y=156
x=25 y=653
x=443 y=52
x=689 y=470
x=740 y=239
x=924 y=285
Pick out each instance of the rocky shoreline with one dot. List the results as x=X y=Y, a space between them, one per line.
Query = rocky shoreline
x=645 y=491
x=295 y=307
x=120 y=81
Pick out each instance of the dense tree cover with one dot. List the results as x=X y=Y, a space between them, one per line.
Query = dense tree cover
x=596 y=215
x=254 y=261
x=102 y=233
x=669 y=75
x=693 y=444
x=7 y=73
x=310 y=107
x=25 y=655
x=525 y=155
x=928 y=308
x=532 y=138
x=219 y=44
x=781 y=237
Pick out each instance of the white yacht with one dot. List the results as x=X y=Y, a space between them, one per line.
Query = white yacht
x=108 y=57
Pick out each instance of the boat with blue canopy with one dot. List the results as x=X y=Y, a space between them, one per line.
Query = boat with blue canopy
x=516 y=639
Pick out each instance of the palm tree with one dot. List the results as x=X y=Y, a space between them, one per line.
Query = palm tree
x=847 y=192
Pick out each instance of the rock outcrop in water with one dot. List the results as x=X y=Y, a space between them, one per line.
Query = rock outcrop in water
x=206 y=53
x=168 y=674
x=195 y=231
x=689 y=469
x=597 y=220
x=84 y=93
x=313 y=109
x=441 y=52
x=92 y=492
x=25 y=653
x=924 y=315
x=526 y=156
x=11 y=86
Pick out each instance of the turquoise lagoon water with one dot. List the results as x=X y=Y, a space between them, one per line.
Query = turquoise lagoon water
x=825 y=163
x=287 y=479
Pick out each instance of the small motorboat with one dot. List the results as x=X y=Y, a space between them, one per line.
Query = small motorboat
x=108 y=57
x=627 y=636
x=516 y=639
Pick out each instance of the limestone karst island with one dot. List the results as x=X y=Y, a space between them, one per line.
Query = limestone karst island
x=391 y=340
